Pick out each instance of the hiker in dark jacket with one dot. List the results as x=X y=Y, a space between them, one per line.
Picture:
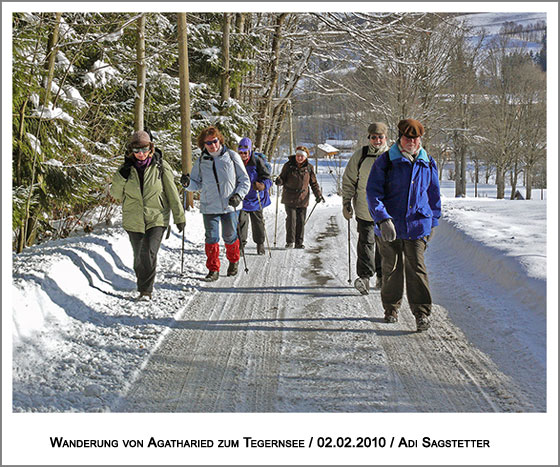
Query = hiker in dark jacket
x=296 y=177
x=221 y=178
x=257 y=198
x=354 y=181
x=145 y=185
x=404 y=201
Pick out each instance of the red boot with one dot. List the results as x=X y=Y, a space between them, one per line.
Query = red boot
x=212 y=256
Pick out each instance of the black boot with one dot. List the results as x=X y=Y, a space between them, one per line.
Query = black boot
x=260 y=249
x=232 y=269
x=212 y=276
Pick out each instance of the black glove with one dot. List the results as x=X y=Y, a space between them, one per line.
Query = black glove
x=185 y=180
x=235 y=200
x=320 y=199
x=259 y=186
x=127 y=167
x=278 y=181
x=180 y=226
x=347 y=210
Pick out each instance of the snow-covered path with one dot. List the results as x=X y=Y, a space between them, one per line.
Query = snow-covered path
x=293 y=336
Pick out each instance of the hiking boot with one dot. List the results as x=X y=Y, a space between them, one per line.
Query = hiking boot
x=300 y=247
x=260 y=249
x=232 y=269
x=289 y=245
x=422 y=322
x=378 y=283
x=362 y=285
x=391 y=317
x=144 y=297
x=212 y=276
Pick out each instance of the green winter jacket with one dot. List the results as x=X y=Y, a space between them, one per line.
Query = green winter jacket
x=142 y=211
x=354 y=184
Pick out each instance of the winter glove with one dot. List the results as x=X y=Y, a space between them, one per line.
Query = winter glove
x=388 y=232
x=259 y=186
x=180 y=226
x=278 y=181
x=319 y=199
x=347 y=210
x=185 y=180
x=235 y=200
x=127 y=167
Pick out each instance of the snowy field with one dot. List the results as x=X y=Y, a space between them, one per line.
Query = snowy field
x=78 y=341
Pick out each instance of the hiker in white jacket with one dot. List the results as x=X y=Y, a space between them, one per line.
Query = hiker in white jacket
x=220 y=176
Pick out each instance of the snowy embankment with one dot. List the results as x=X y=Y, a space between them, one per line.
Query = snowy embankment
x=79 y=339
x=488 y=267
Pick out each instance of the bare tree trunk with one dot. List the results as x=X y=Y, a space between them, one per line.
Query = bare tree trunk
x=239 y=26
x=529 y=181
x=185 y=101
x=140 y=74
x=52 y=48
x=29 y=222
x=266 y=100
x=225 y=58
x=500 y=182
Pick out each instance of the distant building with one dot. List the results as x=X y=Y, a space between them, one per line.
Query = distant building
x=343 y=145
x=326 y=151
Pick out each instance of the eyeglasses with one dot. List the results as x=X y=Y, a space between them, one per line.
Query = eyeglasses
x=144 y=149
x=211 y=142
x=243 y=152
x=376 y=136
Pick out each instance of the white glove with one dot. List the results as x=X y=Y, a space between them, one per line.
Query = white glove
x=388 y=232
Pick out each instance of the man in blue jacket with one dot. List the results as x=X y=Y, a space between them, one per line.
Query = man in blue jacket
x=404 y=201
x=257 y=198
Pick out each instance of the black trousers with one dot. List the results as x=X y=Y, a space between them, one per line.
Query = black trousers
x=257 y=226
x=369 y=258
x=295 y=221
x=145 y=247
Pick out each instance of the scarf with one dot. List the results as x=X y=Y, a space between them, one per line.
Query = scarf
x=408 y=155
x=374 y=151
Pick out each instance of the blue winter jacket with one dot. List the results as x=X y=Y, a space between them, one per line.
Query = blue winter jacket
x=407 y=192
x=218 y=178
x=257 y=171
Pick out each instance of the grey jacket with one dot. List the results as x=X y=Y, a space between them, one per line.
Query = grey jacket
x=218 y=178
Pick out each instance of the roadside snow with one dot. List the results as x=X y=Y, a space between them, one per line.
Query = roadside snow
x=79 y=341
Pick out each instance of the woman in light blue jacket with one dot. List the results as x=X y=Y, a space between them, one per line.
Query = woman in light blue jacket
x=220 y=176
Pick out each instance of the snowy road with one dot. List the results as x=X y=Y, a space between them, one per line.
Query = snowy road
x=293 y=336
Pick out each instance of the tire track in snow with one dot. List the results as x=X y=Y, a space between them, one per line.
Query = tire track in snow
x=293 y=336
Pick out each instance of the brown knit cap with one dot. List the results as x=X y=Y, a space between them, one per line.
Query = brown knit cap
x=378 y=128
x=139 y=139
x=411 y=128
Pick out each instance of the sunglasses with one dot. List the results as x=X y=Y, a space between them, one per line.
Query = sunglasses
x=243 y=151
x=144 y=149
x=211 y=142
x=376 y=136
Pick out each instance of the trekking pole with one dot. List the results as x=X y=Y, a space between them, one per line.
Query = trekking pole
x=264 y=226
x=183 y=238
x=240 y=242
x=276 y=217
x=349 y=258
x=311 y=212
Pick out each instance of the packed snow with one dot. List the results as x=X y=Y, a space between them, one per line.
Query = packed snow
x=78 y=340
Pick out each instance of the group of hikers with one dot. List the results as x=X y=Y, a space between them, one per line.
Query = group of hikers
x=392 y=191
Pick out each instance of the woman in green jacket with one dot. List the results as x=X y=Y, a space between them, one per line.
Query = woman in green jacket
x=145 y=185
